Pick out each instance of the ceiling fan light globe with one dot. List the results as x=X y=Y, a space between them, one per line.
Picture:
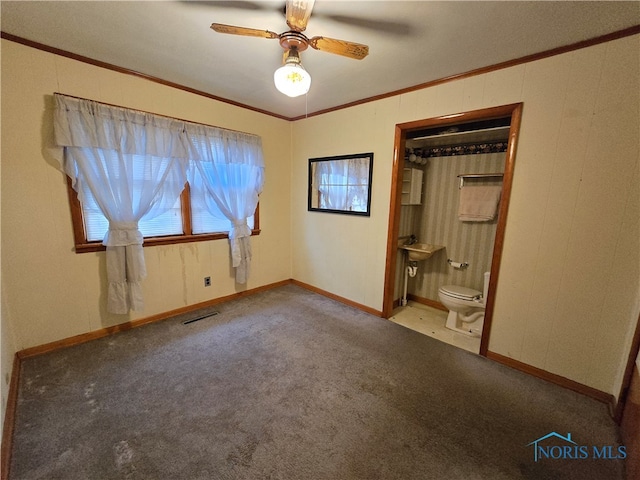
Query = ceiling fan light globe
x=292 y=80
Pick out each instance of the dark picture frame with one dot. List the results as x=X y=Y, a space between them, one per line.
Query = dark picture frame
x=341 y=184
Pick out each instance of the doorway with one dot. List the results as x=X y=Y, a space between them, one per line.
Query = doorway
x=512 y=115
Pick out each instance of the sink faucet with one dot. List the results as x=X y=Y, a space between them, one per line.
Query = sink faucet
x=412 y=240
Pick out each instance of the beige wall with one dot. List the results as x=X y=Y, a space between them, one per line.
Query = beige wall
x=7 y=350
x=54 y=293
x=344 y=254
x=568 y=293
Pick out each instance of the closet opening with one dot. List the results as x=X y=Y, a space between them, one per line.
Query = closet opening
x=439 y=165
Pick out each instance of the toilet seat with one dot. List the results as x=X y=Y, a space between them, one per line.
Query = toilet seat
x=461 y=293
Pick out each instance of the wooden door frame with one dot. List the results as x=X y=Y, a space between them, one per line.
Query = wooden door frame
x=515 y=112
x=628 y=371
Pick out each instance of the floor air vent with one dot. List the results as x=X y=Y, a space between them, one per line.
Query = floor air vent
x=210 y=314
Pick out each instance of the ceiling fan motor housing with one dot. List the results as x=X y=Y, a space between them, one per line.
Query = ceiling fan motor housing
x=291 y=39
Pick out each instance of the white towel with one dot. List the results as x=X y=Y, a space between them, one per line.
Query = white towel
x=478 y=203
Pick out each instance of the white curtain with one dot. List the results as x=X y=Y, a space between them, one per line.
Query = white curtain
x=229 y=166
x=134 y=164
x=343 y=184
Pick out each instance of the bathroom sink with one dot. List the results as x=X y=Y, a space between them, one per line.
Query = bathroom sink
x=420 y=251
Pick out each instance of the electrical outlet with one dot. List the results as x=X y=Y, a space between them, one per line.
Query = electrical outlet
x=207 y=281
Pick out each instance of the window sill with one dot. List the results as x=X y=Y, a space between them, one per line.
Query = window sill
x=169 y=240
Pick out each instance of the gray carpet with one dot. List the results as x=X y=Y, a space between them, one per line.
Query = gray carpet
x=287 y=384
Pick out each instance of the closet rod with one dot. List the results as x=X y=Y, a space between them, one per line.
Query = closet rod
x=462 y=176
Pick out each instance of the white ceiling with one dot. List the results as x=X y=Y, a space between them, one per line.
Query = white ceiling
x=410 y=43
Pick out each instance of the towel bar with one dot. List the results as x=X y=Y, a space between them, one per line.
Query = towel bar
x=462 y=176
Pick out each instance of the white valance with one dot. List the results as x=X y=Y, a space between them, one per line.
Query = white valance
x=84 y=123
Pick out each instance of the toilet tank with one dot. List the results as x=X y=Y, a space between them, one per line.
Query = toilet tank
x=485 y=290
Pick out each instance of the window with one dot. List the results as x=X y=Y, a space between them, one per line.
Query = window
x=135 y=166
x=206 y=216
x=167 y=175
x=188 y=221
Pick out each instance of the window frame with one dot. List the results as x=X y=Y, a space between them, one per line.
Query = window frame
x=82 y=245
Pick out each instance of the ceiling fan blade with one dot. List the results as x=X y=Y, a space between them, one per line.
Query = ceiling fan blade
x=340 y=47
x=298 y=13
x=380 y=26
x=243 y=5
x=250 y=32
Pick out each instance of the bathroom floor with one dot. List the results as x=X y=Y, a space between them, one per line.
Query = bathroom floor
x=430 y=321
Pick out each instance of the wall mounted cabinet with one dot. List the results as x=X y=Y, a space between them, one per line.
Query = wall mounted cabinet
x=412 y=186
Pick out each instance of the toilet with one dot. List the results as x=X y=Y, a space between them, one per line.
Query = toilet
x=466 y=307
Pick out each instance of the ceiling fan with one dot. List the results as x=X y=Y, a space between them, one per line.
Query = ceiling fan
x=292 y=79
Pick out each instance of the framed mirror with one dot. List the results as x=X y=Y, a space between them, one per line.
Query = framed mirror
x=341 y=184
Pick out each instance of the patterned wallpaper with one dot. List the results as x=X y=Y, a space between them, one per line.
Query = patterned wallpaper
x=436 y=221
